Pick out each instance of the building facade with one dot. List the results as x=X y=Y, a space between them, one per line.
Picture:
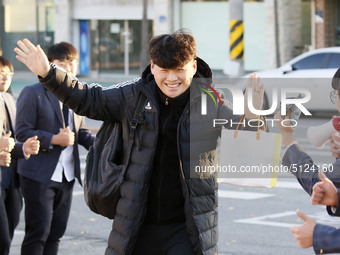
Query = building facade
x=108 y=33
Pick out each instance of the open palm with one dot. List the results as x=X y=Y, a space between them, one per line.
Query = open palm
x=33 y=57
x=256 y=87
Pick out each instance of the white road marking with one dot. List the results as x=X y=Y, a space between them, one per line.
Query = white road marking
x=263 y=220
x=242 y=194
x=320 y=217
x=288 y=185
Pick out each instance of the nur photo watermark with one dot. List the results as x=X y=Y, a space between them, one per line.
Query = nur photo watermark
x=220 y=136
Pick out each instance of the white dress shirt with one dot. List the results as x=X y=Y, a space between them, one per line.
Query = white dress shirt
x=66 y=160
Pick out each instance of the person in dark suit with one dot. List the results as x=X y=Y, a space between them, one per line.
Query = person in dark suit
x=11 y=198
x=47 y=179
x=323 y=238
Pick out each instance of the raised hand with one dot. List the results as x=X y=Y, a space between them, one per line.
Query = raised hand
x=256 y=88
x=324 y=192
x=304 y=234
x=31 y=146
x=7 y=142
x=33 y=57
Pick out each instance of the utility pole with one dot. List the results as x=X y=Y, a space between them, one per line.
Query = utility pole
x=277 y=34
x=234 y=66
x=127 y=42
x=144 y=38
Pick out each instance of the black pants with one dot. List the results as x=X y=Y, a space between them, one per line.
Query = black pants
x=47 y=208
x=10 y=207
x=171 y=239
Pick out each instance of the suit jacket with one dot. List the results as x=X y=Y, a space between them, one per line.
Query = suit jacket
x=326 y=239
x=39 y=113
x=300 y=164
x=17 y=152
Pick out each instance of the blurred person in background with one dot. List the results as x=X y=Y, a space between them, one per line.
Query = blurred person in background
x=47 y=179
x=316 y=182
x=11 y=198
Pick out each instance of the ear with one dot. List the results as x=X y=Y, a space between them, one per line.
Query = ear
x=152 y=66
x=195 y=66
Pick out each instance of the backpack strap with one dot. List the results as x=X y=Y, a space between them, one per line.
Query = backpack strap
x=137 y=118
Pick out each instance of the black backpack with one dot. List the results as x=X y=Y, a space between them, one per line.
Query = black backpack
x=105 y=169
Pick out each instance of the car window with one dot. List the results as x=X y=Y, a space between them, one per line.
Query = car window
x=334 y=61
x=310 y=62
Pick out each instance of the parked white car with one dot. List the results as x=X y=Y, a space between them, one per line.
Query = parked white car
x=312 y=70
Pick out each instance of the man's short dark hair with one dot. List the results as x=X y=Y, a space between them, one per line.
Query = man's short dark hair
x=62 y=50
x=5 y=62
x=336 y=81
x=172 y=50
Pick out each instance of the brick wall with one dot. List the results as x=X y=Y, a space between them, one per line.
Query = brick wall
x=325 y=32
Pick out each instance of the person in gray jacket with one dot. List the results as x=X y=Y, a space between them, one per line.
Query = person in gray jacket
x=324 y=239
x=164 y=207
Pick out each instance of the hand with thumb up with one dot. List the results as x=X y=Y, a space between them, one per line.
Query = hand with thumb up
x=324 y=192
x=31 y=146
x=304 y=234
x=65 y=137
x=7 y=142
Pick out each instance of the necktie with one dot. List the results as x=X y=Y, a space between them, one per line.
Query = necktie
x=65 y=114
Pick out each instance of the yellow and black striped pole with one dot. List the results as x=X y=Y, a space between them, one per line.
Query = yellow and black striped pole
x=234 y=65
x=236 y=39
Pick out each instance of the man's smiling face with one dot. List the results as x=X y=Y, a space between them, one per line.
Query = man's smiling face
x=173 y=82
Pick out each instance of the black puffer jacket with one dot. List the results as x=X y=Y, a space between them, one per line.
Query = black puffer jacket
x=196 y=145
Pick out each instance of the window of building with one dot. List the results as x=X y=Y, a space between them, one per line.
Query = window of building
x=26 y=19
x=108 y=40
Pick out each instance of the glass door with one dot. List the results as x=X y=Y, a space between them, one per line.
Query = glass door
x=108 y=41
